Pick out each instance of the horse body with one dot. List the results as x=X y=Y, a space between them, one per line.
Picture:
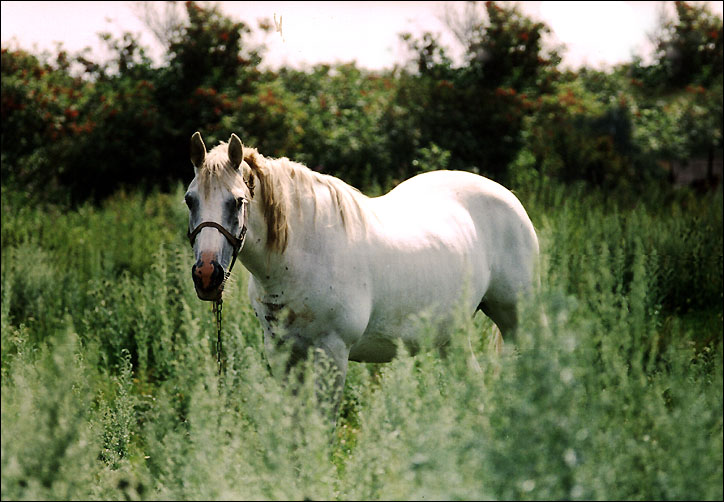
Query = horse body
x=334 y=270
x=442 y=244
x=438 y=241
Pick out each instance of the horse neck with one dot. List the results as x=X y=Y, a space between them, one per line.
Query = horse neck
x=312 y=215
x=256 y=255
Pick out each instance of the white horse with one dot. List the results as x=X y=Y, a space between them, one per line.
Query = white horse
x=344 y=274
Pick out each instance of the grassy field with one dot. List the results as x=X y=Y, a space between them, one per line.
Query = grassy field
x=110 y=391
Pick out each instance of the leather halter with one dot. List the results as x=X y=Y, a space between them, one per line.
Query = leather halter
x=236 y=242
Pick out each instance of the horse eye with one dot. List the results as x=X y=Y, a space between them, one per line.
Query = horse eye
x=239 y=202
x=189 y=200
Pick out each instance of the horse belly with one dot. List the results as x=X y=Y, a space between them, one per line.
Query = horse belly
x=419 y=294
x=373 y=349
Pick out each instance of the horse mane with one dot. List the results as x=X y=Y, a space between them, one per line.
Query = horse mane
x=284 y=183
x=282 y=186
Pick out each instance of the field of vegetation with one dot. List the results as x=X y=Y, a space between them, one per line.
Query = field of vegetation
x=613 y=389
x=110 y=389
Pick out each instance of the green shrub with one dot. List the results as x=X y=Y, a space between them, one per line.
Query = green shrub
x=49 y=442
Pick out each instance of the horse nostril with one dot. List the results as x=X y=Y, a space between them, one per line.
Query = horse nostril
x=218 y=274
x=207 y=275
x=196 y=275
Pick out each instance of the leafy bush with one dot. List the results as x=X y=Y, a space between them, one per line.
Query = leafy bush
x=74 y=129
x=476 y=111
x=689 y=48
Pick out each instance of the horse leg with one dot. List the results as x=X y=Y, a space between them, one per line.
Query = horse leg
x=331 y=355
x=329 y=370
x=504 y=315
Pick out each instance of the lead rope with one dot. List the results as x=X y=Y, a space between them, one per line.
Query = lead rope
x=217 y=313
x=216 y=307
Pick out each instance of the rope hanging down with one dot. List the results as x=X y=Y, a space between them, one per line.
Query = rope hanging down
x=217 y=313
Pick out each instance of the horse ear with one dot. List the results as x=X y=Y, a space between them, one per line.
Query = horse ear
x=198 y=150
x=236 y=151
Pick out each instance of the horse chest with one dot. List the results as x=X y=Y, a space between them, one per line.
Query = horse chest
x=307 y=311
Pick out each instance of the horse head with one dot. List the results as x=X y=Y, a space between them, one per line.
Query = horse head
x=217 y=199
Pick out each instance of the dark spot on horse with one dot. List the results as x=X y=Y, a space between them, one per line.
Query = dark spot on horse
x=286 y=268
x=273 y=307
x=280 y=341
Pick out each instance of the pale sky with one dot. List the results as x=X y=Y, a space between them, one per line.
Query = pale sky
x=328 y=32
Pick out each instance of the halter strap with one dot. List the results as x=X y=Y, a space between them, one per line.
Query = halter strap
x=236 y=242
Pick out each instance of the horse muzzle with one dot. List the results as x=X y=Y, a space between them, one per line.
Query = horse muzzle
x=208 y=277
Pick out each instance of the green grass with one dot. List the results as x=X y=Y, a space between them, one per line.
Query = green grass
x=110 y=391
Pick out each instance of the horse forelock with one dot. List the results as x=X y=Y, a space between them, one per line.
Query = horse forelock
x=285 y=183
x=217 y=169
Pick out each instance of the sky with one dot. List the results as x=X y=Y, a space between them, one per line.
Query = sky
x=329 y=32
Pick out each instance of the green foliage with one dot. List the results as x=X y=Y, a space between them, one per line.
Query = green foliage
x=476 y=111
x=507 y=50
x=689 y=48
x=612 y=389
x=49 y=445
x=211 y=72
x=75 y=130
x=342 y=131
x=66 y=132
x=678 y=98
